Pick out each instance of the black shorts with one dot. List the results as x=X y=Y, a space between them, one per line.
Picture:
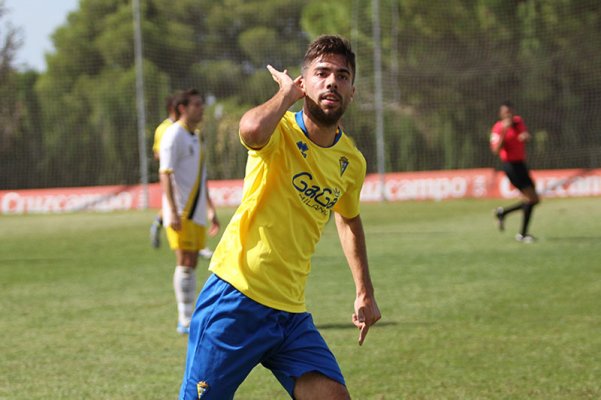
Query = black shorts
x=518 y=175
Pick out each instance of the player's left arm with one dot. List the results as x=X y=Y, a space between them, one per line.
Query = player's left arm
x=212 y=214
x=352 y=239
x=524 y=135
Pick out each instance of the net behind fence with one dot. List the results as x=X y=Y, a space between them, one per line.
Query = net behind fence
x=446 y=67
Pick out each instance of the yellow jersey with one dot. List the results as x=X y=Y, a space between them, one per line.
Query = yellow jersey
x=290 y=187
x=158 y=134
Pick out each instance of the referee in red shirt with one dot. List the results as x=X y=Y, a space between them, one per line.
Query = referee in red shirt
x=508 y=139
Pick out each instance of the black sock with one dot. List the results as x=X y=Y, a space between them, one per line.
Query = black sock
x=527 y=213
x=515 y=207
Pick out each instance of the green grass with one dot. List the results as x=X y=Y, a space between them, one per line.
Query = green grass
x=87 y=308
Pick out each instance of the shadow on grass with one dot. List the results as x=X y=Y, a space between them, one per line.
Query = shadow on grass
x=410 y=233
x=349 y=325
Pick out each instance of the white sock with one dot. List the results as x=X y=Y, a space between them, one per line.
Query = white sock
x=184 y=284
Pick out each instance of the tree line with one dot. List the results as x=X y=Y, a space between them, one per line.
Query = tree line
x=446 y=67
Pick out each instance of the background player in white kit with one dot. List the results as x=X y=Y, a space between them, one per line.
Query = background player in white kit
x=186 y=202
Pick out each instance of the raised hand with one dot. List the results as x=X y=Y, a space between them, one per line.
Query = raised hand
x=258 y=124
x=291 y=87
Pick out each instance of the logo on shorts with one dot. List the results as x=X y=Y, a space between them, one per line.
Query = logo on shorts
x=201 y=387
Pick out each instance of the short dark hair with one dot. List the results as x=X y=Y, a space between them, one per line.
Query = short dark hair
x=331 y=44
x=183 y=98
x=507 y=104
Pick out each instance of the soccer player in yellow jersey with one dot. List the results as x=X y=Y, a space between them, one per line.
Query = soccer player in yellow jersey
x=173 y=115
x=300 y=168
x=186 y=200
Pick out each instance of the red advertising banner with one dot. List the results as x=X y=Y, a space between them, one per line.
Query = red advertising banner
x=428 y=185
x=97 y=198
x=478 y=183
x=557 y=183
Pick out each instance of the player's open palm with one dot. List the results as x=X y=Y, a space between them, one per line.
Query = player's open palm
x=366 y=314
x=292 y=87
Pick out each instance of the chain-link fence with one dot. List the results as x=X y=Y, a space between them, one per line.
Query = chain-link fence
x=446 y=67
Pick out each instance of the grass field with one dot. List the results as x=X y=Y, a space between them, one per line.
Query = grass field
x=87 y=307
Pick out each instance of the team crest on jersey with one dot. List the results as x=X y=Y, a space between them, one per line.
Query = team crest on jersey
x=202 y=388
x=302 y=146
x=343 y=164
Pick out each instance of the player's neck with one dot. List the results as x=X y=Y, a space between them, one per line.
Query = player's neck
x=187 y=125
x=323 y=136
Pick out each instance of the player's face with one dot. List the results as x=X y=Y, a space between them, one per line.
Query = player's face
x=328 y=85
x=505 y=112
x=195 y=109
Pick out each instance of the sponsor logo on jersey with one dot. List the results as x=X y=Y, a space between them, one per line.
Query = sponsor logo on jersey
x=319 y=198
x=201 y=388
x=343 y=164
x=302 y=146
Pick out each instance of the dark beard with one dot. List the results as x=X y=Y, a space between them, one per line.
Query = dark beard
x=317 y=115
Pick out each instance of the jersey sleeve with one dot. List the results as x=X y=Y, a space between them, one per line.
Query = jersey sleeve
x=497 y=128
x=269 y=148
x=348 y=204
x=169 y=151
x=521 y=126
x=495 y=135
x=158 y=135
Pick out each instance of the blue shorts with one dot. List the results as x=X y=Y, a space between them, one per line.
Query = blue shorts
x=230 y=334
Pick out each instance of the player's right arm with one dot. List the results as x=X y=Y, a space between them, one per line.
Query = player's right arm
x=168 y=159
x=156 y=146
x=258 y=124
x=167 y=186
x=496 y=142
x=497 y=136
